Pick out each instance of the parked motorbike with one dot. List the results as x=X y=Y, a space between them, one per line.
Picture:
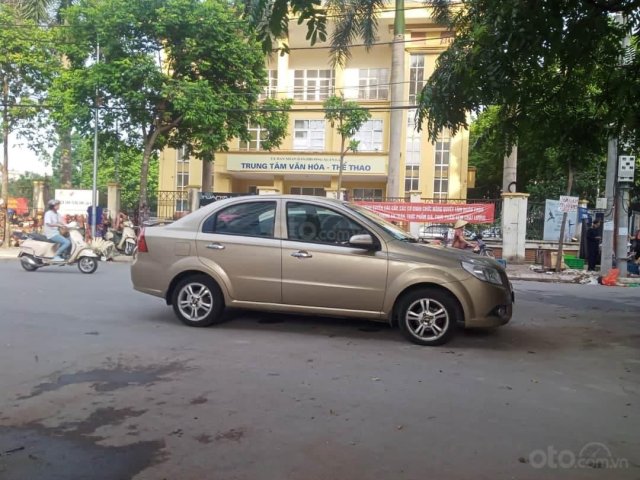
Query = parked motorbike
x=36 y=251
x=124 y=241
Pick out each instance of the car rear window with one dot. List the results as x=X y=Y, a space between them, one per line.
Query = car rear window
x=252 y=219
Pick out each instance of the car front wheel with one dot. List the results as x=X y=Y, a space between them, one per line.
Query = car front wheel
x=428 y=316
x=197 y=301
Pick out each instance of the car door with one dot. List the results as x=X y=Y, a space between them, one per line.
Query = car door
x=320 y=269
x=239 y=243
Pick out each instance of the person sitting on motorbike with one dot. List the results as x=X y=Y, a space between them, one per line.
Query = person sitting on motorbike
x=458 y=236
x=52 y=223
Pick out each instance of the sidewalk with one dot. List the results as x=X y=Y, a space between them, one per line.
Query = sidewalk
x=535 y=273
x=11 y=253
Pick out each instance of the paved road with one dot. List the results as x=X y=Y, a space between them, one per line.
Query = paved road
x=101 y=382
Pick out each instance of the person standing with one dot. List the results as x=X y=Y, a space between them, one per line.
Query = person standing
x=593 y=245
x=52 y=223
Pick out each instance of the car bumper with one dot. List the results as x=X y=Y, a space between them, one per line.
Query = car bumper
x=494 y=307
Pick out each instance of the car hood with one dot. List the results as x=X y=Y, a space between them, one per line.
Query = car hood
x=435 y=255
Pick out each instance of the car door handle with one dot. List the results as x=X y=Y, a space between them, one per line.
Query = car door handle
x=215 y=246
x=301 y=254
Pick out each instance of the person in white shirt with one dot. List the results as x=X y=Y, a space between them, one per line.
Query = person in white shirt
x=52 y=223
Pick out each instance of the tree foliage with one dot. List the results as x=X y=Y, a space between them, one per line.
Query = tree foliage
x=347 y=118
x=537 y=61
x=117 y=162
x=170 y=72
x=26 y=68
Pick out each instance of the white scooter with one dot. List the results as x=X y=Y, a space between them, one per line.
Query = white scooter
x=37 y=252
x=126 y=241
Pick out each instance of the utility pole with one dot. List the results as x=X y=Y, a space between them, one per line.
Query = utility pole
x=606 y=255
x=626 y=169
x=94 y=220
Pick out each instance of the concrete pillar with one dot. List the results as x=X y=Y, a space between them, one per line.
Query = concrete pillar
x=38 y=197
x=333 y=193
x=113 y=200
x=509 y=174
x=267 y=190
x=514 y=226
x=414 y=227
x=194 y=197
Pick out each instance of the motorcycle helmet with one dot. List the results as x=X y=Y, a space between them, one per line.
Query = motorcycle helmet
x=53 y=202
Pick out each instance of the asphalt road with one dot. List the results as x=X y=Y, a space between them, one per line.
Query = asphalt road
x=101 y=382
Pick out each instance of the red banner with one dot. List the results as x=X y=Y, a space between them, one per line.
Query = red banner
x=432 y=212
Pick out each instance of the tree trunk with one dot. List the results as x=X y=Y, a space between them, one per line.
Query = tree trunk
x=342 y=152
x=564 y=219
x=66 y=167
x=5 y=161
x=207 y=175
x=397 y=97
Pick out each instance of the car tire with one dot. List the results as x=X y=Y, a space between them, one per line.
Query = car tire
x=428 y=316
x=197 y=301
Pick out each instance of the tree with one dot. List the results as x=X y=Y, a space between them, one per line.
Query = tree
x=49 y=13
x=170 y=72
x=542 y=169
x=26 y=66
x=117 y=161
x=533 y=60
x=273 y=118
x=347 y=118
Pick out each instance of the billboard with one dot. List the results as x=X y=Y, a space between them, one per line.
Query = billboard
x=553 y=215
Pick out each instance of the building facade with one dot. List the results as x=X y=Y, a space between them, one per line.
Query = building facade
x=308 y=161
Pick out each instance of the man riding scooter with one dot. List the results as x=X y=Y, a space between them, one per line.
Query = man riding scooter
x=52 y=223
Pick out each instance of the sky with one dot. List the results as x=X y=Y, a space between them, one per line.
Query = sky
x=22 y=160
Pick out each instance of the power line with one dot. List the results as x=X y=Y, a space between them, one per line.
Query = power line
x=382 y=108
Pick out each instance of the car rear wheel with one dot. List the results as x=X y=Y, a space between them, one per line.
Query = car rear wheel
x=197 y=301
x=428 y=316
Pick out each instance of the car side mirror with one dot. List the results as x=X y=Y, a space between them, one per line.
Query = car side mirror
x=363 y=241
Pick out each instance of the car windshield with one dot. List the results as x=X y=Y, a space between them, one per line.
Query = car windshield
x=393 y=230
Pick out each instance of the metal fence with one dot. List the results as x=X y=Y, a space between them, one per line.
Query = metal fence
x=535 y=220
x=170 y=205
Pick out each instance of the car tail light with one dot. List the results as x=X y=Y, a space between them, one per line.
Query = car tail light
x=142 y=243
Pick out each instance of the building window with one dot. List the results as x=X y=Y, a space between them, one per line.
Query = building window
x=413 y=159
x=271 y=89
x=412 y=178
x=316 y=192
x=367 y=194
x=313 y=85
x=416 y=77
x=257 y=135
x=308 y=135
x=441 y=176
x=373 y=84
x=370 y=136
x=252 y=190
x=182 y=202
x=182 y=155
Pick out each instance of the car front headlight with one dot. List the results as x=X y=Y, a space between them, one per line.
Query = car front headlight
x=485 y=273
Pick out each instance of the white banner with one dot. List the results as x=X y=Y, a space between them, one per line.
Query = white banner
x=568 y=204
x=74 y=202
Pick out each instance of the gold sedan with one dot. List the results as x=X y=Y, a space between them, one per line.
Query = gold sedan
x=317 y=256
